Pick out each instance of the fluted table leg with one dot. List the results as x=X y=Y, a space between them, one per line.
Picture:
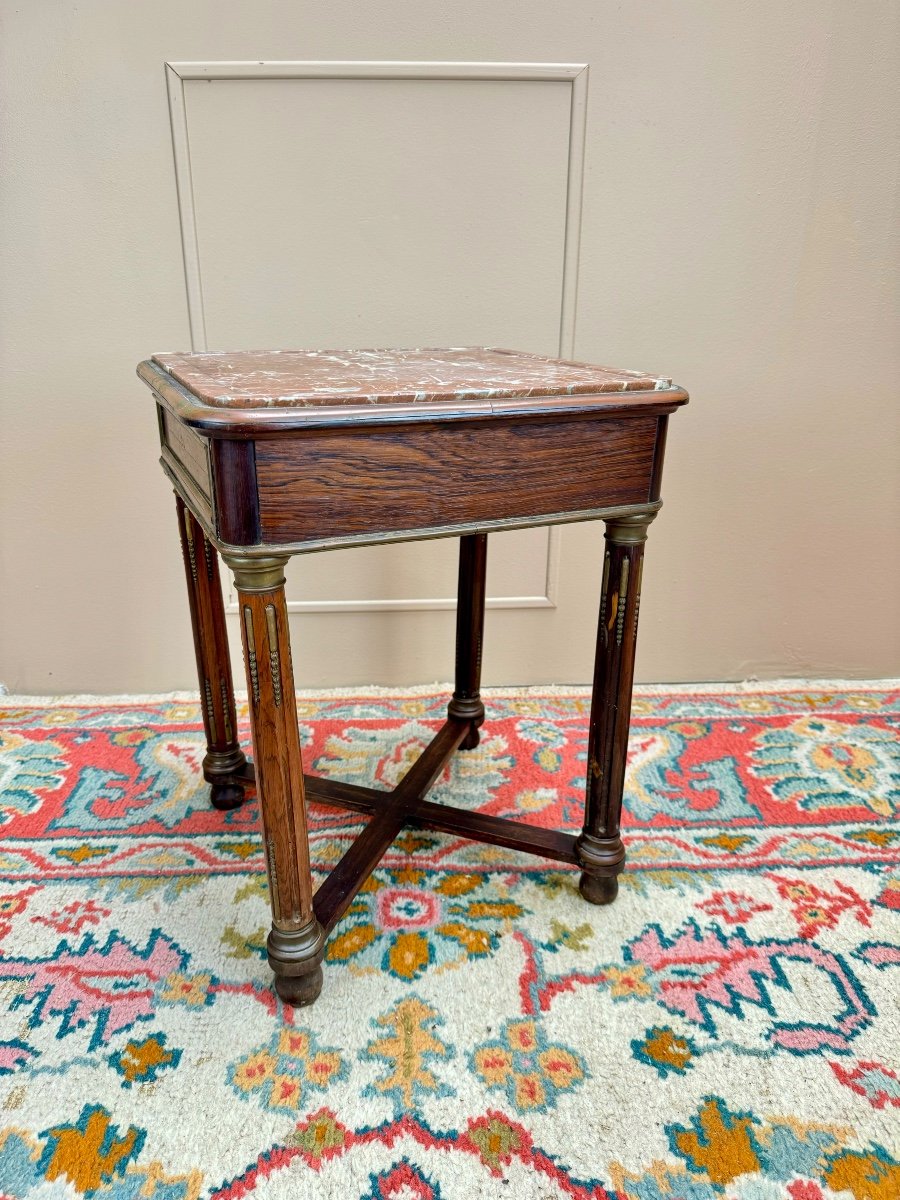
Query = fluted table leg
x=224 y=761
x=296 y=940
x=599 y=846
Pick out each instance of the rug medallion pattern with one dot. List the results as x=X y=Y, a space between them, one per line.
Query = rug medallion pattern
x=729 y=1028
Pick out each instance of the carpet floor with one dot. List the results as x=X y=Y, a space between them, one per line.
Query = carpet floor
x=729 y=1028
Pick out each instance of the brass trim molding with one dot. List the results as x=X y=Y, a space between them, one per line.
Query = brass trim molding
x=630 y=528
x=256 y=573
x=623 y=597
x=188 y=519
x=252 y=665
x=604 y=585
x=274 y=656
x=226 y=705
x=210 y=709
x=637 y=594
x=285 y=550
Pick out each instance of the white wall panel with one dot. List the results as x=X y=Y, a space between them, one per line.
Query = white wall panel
x=322 y=207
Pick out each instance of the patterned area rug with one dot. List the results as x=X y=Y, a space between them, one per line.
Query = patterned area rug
x=728 y=1028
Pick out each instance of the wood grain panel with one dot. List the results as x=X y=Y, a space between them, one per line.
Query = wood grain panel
x=237 y=510
x=336 y=484
x=189 y=448
x=198 y=502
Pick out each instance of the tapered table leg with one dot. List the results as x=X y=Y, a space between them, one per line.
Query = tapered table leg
x=296 y=940
x=466 y=703
x=599 y=846
x=224 y=761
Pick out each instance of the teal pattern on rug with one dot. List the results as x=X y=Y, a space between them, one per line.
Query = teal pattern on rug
x=727 y=1030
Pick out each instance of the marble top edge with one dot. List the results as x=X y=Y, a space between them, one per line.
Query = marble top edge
x=288 y=378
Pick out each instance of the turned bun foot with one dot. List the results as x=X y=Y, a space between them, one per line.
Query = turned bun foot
x=471 y=740
x=598 y=889
x=226 y=796
x=299 y=990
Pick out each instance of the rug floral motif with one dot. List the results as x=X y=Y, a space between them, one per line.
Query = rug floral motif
x=727 y=1030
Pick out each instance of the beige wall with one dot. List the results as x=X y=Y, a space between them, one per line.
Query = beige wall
x=739 y=233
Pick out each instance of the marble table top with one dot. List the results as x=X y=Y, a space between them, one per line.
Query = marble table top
x=263 y=379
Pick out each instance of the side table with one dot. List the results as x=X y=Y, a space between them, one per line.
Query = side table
x=278 y=453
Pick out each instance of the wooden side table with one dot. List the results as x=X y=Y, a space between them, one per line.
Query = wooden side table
x=283 y=452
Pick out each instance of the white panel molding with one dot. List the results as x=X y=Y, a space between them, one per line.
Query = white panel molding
x=436 y=603
x=575 y=74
